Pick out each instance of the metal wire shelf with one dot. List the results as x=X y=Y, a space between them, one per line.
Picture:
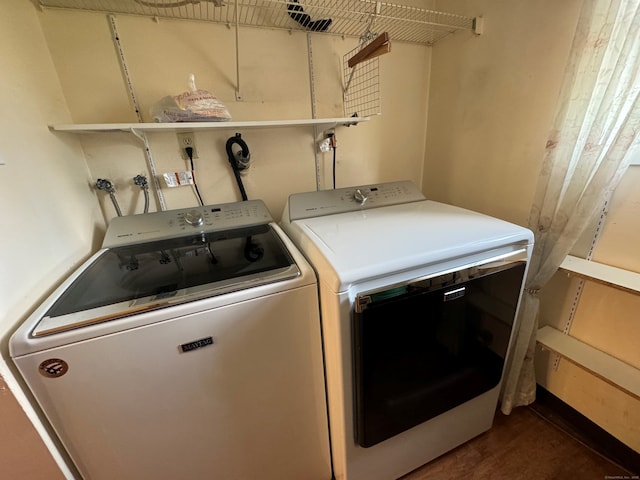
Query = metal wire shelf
x=348 y=17
x=361 y=89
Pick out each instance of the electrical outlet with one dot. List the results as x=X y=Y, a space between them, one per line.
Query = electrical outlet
x=324 y=145
x=328 y=140
x=187 y=139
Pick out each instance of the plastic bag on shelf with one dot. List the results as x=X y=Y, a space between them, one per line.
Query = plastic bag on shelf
x=194 y=105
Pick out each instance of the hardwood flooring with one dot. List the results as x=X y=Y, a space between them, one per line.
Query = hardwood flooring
x=524 y=446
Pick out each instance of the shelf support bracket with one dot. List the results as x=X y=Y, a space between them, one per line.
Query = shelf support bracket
x=123 y=66
x=577 y=294
x=140 y=135
x=237 y=29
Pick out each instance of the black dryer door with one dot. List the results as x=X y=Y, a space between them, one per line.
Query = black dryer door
x=426 y=347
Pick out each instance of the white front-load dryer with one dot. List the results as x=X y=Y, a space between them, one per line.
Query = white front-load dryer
x=418 y=307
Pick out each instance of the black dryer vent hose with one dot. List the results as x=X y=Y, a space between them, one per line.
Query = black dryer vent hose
x=237 y=140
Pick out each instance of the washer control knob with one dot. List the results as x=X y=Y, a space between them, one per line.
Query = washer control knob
x=194 y=218
x=360 y=197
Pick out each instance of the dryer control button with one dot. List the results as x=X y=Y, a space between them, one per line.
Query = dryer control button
x=194 y=218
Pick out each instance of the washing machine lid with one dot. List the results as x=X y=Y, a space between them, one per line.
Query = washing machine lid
x=130 y=279
x=352 y=247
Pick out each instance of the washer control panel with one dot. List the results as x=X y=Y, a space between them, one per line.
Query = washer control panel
x=183 y=222
x=329 y=202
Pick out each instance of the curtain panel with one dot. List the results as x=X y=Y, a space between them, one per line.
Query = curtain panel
x=596 y=129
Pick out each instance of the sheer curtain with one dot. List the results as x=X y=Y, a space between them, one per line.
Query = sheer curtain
x=597 y=126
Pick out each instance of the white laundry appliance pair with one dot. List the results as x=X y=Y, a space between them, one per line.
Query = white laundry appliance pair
x=190 y=345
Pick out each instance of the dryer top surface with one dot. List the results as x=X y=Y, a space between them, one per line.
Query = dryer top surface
x=361 y=245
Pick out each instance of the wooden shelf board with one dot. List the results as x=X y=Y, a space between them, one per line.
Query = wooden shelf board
x=601 y=273
x=602 y=365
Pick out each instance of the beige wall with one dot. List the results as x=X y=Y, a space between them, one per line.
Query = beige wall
x=274 y=84
x=491 y=104
x=490 y=101
x=48 y=217
x=48 y=213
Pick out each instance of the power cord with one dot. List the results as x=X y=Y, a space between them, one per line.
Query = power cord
x=189 y=152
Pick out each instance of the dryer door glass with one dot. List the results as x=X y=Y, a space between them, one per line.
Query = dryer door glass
x=424 y=348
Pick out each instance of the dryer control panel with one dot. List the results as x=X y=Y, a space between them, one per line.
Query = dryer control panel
x=329 y=202
x=186 y=221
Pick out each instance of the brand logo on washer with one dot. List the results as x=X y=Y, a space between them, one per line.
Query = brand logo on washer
x=203 y=342
x=53 y=368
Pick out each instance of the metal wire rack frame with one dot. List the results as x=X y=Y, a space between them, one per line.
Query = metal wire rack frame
x=361 y=86
x=348 y=17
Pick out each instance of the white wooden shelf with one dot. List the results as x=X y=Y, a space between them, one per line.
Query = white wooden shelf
x=348 y=17
x=602 y=365
x=605 y=274
x=195 y=126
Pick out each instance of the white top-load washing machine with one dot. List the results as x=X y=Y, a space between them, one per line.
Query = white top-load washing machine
x=188 y=347
x=418 y=302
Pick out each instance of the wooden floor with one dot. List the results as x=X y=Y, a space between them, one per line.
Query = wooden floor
x=524 y=446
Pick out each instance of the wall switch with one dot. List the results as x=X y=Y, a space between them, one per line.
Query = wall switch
x=187 y=139
x=2 y=162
